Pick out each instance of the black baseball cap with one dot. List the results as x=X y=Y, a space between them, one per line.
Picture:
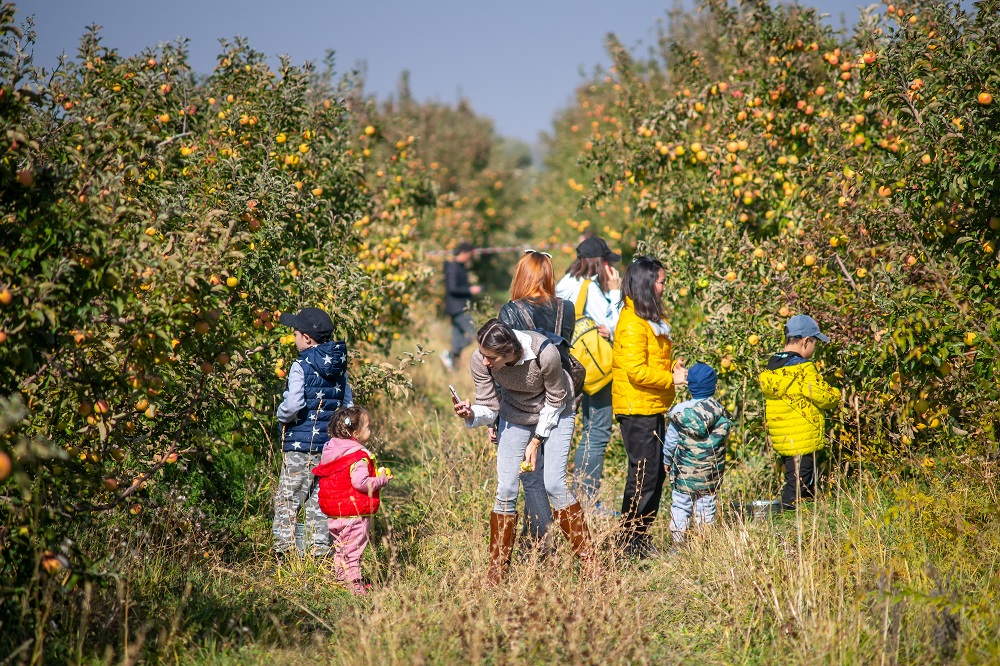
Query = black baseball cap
x=311 y=321
x=596 y=247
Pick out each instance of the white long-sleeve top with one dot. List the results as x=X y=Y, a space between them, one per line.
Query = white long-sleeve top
x=602 y=308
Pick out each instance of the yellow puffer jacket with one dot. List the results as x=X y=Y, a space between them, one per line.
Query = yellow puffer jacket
x=642 y=383
x=796 y=396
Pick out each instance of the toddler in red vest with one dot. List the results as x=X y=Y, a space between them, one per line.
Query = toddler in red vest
x=349 y=491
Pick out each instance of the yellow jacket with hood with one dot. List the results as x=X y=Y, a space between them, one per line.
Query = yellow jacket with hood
x=796 y=397
x=641 y=367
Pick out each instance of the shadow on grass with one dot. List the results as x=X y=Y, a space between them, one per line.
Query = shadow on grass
x=164 y=606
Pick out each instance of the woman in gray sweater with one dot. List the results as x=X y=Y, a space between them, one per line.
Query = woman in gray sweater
x=533 y=305
x=520 y=378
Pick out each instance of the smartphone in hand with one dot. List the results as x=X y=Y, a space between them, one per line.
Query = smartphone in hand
x=454 y=394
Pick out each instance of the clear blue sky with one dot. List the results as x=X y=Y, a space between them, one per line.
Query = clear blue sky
x=516 y=61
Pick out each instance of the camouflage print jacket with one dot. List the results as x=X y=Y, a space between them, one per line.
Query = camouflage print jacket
x=695 y=446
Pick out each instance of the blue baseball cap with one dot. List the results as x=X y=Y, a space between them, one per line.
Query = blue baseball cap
x=804 y=326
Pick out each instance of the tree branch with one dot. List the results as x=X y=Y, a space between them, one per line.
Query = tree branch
x=137 y=484
x=847 y=275
x=35 y=376
x=171 y=139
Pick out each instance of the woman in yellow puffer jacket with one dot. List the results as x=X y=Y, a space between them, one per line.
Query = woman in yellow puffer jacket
x=795 y=397
x=644 y=379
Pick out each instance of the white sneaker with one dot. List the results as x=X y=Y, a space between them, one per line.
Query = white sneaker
x=447 y=360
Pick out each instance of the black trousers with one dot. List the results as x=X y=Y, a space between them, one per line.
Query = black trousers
x=800 y=479
x=643 y=436
x=462 y=330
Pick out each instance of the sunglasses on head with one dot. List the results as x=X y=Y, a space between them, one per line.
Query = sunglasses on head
x=544 y=254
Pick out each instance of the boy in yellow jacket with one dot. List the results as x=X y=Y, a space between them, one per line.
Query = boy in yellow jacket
x=796 y=397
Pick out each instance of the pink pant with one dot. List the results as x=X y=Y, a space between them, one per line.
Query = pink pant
x=349 y=537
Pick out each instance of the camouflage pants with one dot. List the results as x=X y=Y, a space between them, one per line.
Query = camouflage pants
x=297 y=487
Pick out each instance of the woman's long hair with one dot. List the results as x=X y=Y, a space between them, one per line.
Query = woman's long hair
x=586 y=268
x=499 y=338
x=534 y=279
x=639 y=284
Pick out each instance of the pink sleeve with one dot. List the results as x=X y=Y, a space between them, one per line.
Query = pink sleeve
x=362 y=481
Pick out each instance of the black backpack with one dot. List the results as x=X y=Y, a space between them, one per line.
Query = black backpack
x=569 y=362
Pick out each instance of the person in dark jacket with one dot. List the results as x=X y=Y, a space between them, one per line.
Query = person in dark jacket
x=317 y=387
x=457 y=292
x=533 y=305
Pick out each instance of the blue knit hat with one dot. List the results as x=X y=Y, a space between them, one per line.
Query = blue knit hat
x=701 y=381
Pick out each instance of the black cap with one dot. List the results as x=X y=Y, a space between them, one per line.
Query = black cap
x=596 y=247
x=464 y=246
x=311 y=321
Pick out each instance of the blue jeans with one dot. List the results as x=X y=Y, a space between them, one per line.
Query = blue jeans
x=684 y=508
x=543 y=488
x=588 y=466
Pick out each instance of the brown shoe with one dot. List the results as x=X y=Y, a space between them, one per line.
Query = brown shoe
x=574 y=525
x=501 y=545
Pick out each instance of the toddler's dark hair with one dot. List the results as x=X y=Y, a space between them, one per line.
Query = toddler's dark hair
x=347 y=421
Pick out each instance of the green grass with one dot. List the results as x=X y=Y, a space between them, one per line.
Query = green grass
x=897 y=567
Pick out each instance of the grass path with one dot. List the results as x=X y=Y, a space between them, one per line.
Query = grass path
x=893 y=569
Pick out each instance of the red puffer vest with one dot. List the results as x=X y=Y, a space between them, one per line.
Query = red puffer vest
x=338 y=498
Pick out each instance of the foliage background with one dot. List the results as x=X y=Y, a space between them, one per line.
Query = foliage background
x=155 y=222
x=778 y=169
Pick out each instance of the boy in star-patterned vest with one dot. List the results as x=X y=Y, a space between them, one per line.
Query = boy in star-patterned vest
x=317 y=387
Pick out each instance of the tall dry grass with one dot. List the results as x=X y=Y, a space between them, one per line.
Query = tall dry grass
x=888 y=568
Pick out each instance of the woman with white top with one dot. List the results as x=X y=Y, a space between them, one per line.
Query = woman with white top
x=519 y=377
x=593 y=265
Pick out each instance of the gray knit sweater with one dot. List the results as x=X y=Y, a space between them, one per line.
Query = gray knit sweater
x=523 y=389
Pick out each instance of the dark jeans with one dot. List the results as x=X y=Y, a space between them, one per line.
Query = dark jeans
x=461 y=334
x=800 y=479
x=643 y=437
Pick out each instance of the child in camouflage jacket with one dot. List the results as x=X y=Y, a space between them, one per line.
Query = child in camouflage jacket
x=694 y=452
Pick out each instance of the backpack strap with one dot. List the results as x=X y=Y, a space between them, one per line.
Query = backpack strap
x=525 y=314
x=581 y=298
x=559 y=317
x=538 y=357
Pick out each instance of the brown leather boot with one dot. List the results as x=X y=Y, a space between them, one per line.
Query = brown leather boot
x=573 y=524
x=501 y=545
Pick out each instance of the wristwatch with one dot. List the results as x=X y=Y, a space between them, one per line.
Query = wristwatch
x=541 y=440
